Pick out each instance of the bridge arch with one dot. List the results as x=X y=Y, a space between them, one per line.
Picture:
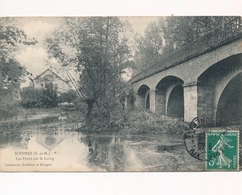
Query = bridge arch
x=216 y=90
x=216 y=57
x=169 y=96
x=143 y=97
x=228 y=107
x=175 y=102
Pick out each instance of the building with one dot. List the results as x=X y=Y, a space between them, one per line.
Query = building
x=49 y=76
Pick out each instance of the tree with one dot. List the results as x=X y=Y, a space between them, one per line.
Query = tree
x=11 y=71
x=168 y=34
x=10 y=74
x=149 y=48
x=180 y=31
x=98 y=48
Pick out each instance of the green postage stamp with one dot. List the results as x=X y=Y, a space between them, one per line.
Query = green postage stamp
x=222 y=150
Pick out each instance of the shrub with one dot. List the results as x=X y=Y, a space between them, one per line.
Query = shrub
x=39 y=98
x=30 y=98
x=69 y=96
x=9 y=108
x=131 y=99
x=107 y=116
x=48 y=96
x=142 y=121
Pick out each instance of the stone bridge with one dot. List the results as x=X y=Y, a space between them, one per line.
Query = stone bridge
x=202 y=79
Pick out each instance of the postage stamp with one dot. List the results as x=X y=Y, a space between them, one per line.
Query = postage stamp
x=222 y=150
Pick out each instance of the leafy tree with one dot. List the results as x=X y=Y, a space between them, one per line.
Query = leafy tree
x=149 y=48
x=98 y=48
x=11 y=71
x=180 y=31
x=10 y=75
x=10 y=37
x=168 y=34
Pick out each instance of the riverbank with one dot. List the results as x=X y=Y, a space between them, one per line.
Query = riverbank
x=137 y=122
x=145 y=142
x=127 y=123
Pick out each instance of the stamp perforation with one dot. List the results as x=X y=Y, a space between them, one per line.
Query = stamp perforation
x=238 y=148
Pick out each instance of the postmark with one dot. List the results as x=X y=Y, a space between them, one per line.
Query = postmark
x=222 y=150
x=194 y=137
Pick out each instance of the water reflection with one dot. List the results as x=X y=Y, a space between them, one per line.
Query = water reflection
x=79 y=152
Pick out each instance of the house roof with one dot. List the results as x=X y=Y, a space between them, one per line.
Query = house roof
x=37 y=77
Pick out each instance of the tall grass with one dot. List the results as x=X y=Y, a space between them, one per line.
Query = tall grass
x=142 y=122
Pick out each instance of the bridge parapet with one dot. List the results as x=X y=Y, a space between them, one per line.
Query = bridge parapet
x=224 y=34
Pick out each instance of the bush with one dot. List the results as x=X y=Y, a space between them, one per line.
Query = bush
x=30 y=98
x=107 y=116
x=39 y=98
x=142 y=121
x=48 y=98
x=9 y=110
x=131 y=99
x=69 y=96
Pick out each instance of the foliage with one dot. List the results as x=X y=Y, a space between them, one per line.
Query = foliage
x=30 y=97
x=106 y=117
x=180 y=31
x=48 y=96
x=169 y=34
x=8 y=110
x=69 y=96
x=99 y=52
x=10 y=37
x=39 y=98
x=10 y=75
x=11 y=72
x=149 y=48
x=131 y=99
x=141 y=121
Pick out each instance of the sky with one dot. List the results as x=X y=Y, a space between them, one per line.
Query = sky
x=33 y=57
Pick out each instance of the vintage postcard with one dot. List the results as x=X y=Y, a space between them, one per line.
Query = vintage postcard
x=147 y=94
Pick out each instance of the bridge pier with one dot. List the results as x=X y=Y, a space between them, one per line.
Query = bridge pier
x=152 y=100
x=198 y=101
x=205 y=105
x=190 y=101
x=160 y=101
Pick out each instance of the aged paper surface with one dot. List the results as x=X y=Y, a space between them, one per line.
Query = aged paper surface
x=201 y=82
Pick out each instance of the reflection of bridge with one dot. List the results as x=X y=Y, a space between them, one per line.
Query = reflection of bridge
x=203 y=78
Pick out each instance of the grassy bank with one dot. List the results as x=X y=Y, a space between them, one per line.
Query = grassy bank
x=136 y=122
x=146 y=122
x=123 y=122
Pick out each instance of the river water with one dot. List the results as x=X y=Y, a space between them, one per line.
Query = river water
x=59 y=149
